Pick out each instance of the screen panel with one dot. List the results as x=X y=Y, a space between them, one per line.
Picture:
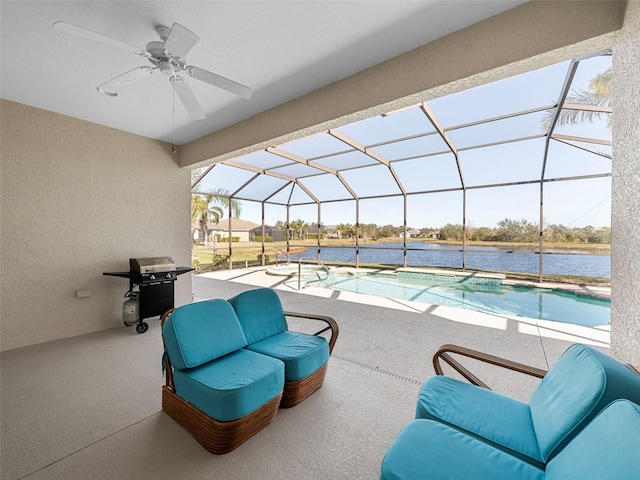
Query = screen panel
x=429 y=173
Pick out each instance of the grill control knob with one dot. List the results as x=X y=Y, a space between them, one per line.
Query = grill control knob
x=168 y=275
x=152 y=277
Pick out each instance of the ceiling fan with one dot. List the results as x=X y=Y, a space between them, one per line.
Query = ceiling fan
x=168 y=57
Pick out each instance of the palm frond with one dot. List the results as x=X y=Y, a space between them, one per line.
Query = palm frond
x=220 y=196
x=600 y=85
x=575 y=117
x=598 y=95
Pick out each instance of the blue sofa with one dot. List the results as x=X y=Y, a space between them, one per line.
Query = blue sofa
x=219 y=391
x=606 y=449
x=305 y=356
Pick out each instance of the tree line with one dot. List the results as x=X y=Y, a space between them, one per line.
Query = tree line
x=523 y=231
x=507 y=230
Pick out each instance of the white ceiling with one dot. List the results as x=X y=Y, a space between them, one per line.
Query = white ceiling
x=281 y=49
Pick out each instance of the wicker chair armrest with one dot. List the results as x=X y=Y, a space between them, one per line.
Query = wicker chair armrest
x=167 y=363
x=633 y=369
x=445 y=351
x=331 y=325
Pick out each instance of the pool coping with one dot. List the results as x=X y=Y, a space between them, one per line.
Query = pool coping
x=452 y=273
x=271 y=269
x=596 y=291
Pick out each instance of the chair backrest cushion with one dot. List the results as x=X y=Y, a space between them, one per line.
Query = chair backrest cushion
x=581 y=383
x=606 y=448
x=260 y=314
x=197 y=333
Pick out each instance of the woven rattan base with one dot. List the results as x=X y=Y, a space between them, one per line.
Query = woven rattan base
x=217 y=437
x=296 y=392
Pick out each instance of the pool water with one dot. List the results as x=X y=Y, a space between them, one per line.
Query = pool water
x=537 y=303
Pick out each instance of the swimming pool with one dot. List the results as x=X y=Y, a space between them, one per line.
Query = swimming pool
x=537 y=303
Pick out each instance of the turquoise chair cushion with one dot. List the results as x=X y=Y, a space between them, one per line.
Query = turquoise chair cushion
x=260 y=313
x=581 y=383
x=497 y=419
x=426 y=449
x=232 y=386
x=200 y=332
x=302 y=354
x=607 y=448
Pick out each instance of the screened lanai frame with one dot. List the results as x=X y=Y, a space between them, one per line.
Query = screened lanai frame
x=327 y=167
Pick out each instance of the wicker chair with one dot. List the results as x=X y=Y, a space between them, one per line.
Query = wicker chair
x=305 y=356
x=581 y=422
x=218 y=391
x=580 y=384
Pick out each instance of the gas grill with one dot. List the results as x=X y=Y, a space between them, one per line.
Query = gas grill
x=154 y=279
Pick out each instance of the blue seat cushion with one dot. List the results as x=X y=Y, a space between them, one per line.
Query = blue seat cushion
x=606 y=448
x=581 y=383
x=260 y=313
x=426 y=449
x=231 y=386
x=302 y=354
x=200 y=332
x=500 y=420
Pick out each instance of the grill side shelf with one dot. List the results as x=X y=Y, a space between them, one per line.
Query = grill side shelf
x=129 y=274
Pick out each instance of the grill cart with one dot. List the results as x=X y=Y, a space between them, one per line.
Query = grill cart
x=154 y=279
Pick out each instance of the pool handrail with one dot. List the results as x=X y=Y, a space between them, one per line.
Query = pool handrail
x=322 y=265
x=283 y=253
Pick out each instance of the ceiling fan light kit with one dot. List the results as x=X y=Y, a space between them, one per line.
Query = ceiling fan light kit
x=168 y=57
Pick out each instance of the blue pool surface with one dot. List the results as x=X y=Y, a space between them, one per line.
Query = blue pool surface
x=537 y=303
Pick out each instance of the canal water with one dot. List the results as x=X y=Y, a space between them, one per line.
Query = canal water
x=556 y=262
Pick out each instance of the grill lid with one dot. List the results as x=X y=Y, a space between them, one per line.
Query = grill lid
x=152 y=265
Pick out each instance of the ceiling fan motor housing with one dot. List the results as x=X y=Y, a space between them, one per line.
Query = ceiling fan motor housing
x=160 y=58
x=156 y=49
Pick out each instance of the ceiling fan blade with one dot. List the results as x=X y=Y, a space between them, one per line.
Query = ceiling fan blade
x=83 y=32
x=110 y=88
x=187 y=98
x=219 y=81
x=180 y=41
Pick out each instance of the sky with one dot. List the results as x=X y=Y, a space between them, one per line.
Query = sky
x=574 y=203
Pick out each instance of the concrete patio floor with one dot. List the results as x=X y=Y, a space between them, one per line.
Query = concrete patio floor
x=89 y=406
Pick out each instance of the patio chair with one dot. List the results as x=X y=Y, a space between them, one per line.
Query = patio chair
x=305 y=356
x=217 y=390
x=607 y=448
x=581 y=383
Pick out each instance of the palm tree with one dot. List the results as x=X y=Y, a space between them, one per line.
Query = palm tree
x=207 y=207
x=304 y=230
x=296 y=227
x=203 y=213
x=346 y=230
x=597 y=95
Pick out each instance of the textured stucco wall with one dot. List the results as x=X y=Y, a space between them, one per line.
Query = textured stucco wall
x=78 y=199
x=625 y=215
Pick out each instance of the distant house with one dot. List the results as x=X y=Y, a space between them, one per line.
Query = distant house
x=239 y=228
x=329 y=231
x=276 y=234
x=412 y=234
